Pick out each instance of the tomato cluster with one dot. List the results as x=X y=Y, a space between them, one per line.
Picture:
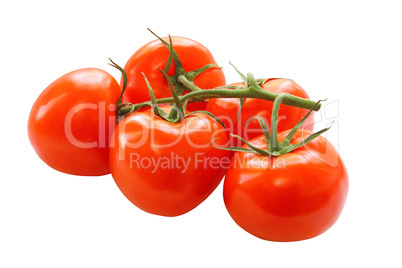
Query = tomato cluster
x=167 y=152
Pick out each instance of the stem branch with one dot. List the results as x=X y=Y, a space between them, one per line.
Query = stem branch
x=290 y=100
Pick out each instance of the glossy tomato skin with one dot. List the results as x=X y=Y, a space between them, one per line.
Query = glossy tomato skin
x=226 y=109
x=71 y=122
x=292 y=197
x=154 y=55
x=167 y=169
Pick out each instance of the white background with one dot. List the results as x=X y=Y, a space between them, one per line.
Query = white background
x=346 y=51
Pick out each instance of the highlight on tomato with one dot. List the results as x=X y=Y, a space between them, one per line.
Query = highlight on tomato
x=71 y=122
x=192 y=61
x=285 y=186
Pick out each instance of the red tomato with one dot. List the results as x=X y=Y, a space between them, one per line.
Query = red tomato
x=226 y=109
x=291 y=197
x=72 y=120
x=167 y=168
x=154 y=55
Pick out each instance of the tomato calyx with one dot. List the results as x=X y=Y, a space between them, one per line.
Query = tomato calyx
x=274 y=148
x=248 y=81
x=177 y=113
x=181 y=79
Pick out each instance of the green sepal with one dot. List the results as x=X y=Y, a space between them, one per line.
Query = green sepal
x=157 y=110
x=193 y=74
x=253 y=82
x=207 y=113
x=177 y=112
x=255 y=149
x=124 y=109
x=170 y=57
x=274 y=144
x=241 y=103
x=185 y=105
x=124 y=74
x=245 y=82
x=233 y=149
x=292 y=147
x=242 y=76
x=288 y=138
x=262 y=82
x=264 y=128
x=177 y=63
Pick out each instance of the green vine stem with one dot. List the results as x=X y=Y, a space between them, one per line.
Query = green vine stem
x=253 y=91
